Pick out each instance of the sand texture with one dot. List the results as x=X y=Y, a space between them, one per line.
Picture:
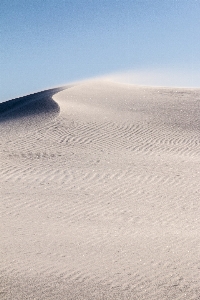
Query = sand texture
x=100 y=191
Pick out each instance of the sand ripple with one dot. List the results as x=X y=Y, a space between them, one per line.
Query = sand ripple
x=100 y=193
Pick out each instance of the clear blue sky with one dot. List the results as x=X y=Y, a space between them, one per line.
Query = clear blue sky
x=47 y=43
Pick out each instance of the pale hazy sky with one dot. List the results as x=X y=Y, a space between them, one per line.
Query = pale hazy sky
x=47 y=43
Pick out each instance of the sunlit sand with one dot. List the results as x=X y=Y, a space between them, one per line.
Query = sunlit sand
x=100 y=193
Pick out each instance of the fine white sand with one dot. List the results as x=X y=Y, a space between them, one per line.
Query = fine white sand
x=100 y=192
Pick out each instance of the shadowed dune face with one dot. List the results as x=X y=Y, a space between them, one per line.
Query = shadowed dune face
x=19 y=115
x=30 y=106
x=101 y=200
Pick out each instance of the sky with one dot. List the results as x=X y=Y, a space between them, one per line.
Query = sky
x=49 y=43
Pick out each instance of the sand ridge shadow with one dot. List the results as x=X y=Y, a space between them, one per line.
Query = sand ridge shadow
x=31 y=105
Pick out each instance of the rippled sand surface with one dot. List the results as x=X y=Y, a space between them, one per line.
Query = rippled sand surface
x=100 y=191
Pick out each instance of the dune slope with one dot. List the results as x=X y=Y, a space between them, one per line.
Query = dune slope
x=100 y=193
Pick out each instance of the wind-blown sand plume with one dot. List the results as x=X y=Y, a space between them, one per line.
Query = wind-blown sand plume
x=100 y=194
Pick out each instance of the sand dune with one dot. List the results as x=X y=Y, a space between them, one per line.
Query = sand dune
x=100 y=193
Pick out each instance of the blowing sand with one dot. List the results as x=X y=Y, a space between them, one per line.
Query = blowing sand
x=100 y=193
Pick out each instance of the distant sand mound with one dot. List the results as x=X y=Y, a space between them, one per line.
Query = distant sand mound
x=100 y=193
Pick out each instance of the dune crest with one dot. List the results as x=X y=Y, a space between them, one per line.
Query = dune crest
x=100 y=193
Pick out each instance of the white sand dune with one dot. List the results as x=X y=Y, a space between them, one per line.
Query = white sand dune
x=100 y=193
